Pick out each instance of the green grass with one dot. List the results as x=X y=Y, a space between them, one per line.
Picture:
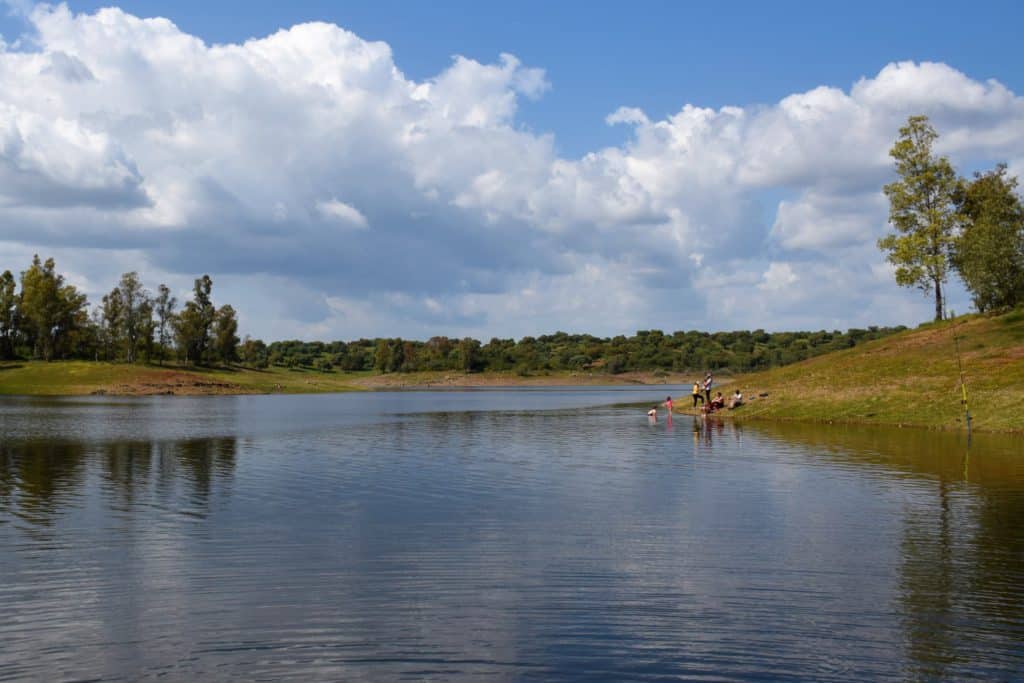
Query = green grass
x=85 y=377
x=909 y=379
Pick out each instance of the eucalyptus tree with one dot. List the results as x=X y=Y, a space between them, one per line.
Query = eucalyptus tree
x=111 y=323
x=193 y=324
x=922 y=210
x=136 y=315
x=164 y=305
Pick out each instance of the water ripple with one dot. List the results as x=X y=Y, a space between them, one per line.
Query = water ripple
x=522 y=535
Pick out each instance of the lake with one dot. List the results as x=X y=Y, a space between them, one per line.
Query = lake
x=505 y=534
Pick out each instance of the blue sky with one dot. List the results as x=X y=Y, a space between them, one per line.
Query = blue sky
x=653 y=55
x=666 y=165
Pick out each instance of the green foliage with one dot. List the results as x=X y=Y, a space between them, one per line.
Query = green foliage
x=225 y=335
x=253 y=353
x=922 y=210
x=192 y=326
x=469 y=355
x=136 y=316
x=647 y=351
x=205 y=334
x=989 y=253
x=164 y=306
x=51 y=314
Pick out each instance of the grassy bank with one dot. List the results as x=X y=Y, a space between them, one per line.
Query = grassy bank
x=71 y=378
x=909 y=379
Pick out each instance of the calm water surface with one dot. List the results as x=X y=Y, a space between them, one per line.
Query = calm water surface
x=501 y=534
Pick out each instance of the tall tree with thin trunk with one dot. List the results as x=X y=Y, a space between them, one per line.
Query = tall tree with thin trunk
x=922 y=210
x=134 y=313
x=112 y=318
x=164 y=305
x=192 y=326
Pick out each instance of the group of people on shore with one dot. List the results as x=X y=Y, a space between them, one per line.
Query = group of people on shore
x=702 y=395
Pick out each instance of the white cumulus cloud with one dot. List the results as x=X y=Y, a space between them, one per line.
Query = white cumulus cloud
x=269 y=161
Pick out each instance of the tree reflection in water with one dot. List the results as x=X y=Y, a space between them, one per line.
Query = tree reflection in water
x=42 y=480
x=962 y=550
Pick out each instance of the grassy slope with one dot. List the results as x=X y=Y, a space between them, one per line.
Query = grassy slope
x=909 y=378
x=84 y=377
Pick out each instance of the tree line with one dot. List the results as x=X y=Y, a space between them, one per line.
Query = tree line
x=973 y=227
x=49 y=319
x=647 y=350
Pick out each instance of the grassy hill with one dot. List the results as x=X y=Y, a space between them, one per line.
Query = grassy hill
x=910 y=379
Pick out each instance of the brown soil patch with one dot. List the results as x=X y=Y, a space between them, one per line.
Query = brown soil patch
x=172 y=383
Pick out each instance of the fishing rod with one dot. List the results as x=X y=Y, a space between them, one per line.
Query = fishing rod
x=963 y=385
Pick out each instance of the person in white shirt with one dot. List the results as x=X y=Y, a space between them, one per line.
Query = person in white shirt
x=737 y=400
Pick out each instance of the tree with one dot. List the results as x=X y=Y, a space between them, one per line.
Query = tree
x=397 y=355
x=225 y=336
x=164 y=305
x=136 y=313
x=989 y=253
x=253 y=353
x=922 y=209
x=111 y=323
x=147 y=330
x=72 y=329
x=8 y=311
x=469 y=354
x=50 y=310
x=192 y=326
x=382 y=356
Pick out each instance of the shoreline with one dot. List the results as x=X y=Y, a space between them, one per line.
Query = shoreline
x=85 y=378
x=846 y=422
x=910 y=379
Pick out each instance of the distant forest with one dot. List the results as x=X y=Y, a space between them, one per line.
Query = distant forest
x=647 y=350
x=51 y=320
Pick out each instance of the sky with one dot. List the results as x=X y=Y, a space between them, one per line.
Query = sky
x=365 y=169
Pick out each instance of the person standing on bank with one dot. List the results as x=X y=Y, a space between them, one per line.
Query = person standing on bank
x=707 y=387
x=697 y=395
